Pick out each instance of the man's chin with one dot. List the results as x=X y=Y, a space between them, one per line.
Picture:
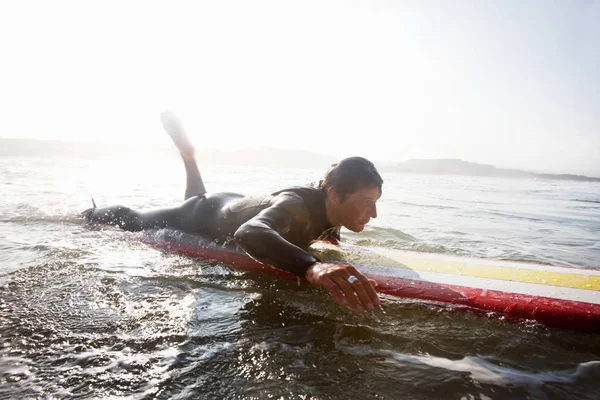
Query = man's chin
x=356 y=228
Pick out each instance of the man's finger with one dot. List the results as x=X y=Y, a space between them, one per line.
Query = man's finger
x=368 y=287
x=370 y=290
x=349 y=292
x=360 y=288
x=337 y=293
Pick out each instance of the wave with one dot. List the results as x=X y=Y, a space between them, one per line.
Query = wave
x=436 y=206
x=588 y=201
x=484 y=371
x=37 y=216
x=383 y=234
x=396 y=239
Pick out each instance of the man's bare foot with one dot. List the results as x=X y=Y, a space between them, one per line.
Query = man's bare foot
x=175 y=129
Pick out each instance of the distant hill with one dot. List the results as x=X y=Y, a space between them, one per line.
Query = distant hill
x=460 y=167
x=113 y=151
x=256 y=157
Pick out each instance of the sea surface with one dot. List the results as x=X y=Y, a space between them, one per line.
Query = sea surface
x=96 y=313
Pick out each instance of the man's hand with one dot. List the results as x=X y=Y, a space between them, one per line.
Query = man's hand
x=359 y=295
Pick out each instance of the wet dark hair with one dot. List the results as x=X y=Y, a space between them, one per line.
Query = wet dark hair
x=351 y=174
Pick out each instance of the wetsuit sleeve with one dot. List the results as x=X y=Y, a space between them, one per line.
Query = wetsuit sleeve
x=266 y=236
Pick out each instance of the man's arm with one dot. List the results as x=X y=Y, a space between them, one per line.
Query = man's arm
x=263 y=238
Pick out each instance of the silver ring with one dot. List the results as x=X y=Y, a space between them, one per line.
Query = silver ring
x=352 y=279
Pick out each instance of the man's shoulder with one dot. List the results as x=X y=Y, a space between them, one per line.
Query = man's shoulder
x=307 y=192
x=305 y=203
x=299 y=196
x=308 y=195
x=289 y=200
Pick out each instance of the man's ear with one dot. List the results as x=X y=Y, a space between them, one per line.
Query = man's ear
x=334 y=196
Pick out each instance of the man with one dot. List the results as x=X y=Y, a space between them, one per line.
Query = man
x=273 y=228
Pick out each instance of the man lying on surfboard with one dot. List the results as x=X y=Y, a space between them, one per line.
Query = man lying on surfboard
x=273 y=228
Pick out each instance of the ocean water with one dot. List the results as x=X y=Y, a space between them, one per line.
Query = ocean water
x=95 y=313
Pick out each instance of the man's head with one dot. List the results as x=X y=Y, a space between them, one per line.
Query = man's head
x=352 y=187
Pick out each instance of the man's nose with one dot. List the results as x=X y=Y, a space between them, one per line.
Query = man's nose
x=373 y=211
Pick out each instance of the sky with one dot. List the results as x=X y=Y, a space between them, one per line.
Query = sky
x=515 y=84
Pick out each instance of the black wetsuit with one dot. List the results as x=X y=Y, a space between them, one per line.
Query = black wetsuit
x=273 y=228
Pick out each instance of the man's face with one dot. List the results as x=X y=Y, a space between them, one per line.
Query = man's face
x=357 y=209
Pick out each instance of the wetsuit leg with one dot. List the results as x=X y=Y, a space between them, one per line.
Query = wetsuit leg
x=132 y=220
x=194 y=184
x=199 y=214
x=174 y=128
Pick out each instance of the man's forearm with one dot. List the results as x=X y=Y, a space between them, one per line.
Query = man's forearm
x=267 y=246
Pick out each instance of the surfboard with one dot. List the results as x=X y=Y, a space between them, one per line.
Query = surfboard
x=556 y=296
